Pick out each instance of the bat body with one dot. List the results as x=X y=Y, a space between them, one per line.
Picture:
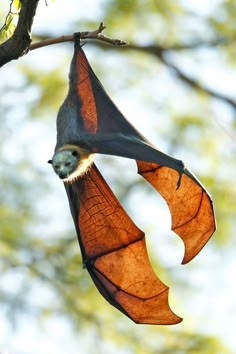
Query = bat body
x=113 y=135
x=112 y=246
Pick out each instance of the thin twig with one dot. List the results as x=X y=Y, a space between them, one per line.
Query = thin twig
x=96 y=34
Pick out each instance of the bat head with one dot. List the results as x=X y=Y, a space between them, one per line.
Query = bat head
x=70 y=162
x=65 y=162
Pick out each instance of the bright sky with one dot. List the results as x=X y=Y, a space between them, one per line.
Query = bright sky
x=56 y=337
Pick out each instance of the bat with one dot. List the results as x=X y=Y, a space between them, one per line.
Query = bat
x=113 y=248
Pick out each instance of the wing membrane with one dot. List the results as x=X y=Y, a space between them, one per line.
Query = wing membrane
x=190 y=206
x=114 y=252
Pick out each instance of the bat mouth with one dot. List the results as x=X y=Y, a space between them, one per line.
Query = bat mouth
x=63 y=175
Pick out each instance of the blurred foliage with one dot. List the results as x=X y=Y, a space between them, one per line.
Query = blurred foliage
x=9 y=26
x=46 y=83
x=34 y=255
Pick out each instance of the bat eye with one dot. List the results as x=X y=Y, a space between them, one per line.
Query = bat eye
x=74 y=153
x=56 y=167
x=67 y=164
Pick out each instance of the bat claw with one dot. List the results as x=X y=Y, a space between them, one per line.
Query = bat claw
x=180 y=178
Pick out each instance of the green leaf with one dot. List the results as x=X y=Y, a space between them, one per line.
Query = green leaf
x=11 y=20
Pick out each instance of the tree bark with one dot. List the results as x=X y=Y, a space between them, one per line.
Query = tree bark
x=19 y=43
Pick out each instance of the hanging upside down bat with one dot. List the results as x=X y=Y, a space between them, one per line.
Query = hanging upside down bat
x=113 y=248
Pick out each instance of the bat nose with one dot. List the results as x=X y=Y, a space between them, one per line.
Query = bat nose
x=62 y=175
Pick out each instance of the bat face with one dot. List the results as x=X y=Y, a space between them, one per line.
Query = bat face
x=112 y=247
x=70 y=162
x=65 y=162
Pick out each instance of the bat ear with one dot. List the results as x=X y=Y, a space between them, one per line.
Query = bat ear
x=50 y=161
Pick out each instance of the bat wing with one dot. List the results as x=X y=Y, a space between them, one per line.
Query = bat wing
x=190 y=206
x=88 y=117
x=103 y=129
x=96 y=122
x=114 y=252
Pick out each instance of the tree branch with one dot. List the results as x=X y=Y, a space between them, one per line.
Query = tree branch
x=156 y=50
x=197 y=85
x=96 y=34
x=160 y=53
x=201 y=44
x=18 y=44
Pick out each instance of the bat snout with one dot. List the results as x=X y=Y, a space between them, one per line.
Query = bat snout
x=63 y=175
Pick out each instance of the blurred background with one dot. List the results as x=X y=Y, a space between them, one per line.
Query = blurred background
x=183 y=99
